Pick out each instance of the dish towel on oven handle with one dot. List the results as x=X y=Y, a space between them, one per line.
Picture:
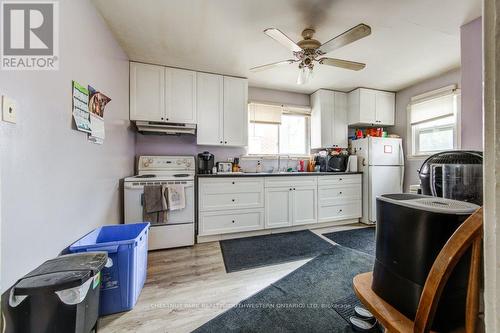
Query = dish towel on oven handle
x=176 y=195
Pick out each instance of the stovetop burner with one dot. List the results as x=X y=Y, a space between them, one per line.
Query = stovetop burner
x=146 y=176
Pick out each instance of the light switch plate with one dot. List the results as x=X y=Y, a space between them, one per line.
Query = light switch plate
x=9 y=110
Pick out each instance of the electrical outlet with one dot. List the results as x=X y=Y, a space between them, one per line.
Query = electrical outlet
x=9 y=110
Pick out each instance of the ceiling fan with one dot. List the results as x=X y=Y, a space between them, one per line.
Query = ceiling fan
x=309 y=50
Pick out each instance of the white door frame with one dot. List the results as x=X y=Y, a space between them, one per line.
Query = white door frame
x=491 y=124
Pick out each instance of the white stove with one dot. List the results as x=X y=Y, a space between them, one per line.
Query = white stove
x=163 y=170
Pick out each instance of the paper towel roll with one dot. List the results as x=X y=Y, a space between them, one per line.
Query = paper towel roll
x=352 y=163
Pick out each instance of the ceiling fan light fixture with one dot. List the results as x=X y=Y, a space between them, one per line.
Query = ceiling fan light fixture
x=305 y=75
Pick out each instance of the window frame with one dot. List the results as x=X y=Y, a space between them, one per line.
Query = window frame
x=412 y=148
x=307 y=137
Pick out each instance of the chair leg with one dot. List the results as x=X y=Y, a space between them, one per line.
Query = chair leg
x=472 y=305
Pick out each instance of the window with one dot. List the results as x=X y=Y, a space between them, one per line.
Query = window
x=273 y=130
x=433 y=121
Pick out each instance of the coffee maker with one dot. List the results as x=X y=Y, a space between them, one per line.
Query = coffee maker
x=205 y=162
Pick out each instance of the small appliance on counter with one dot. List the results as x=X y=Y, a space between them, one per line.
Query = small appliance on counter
x=337 y=163
x=224 y=167
x=411 y=231
x=205 y=162
x=456 y=174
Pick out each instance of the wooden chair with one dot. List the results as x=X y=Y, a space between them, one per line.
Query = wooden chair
x=469 y=234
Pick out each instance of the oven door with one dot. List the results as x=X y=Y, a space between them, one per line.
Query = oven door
x=133 y=201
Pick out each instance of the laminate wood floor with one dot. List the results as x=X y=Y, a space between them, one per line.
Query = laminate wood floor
x=186 y=287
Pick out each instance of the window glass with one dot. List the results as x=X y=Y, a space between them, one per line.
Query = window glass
x=293 y=135
x=290 y=137
x=263 y=138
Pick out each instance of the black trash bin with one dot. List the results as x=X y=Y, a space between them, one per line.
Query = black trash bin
x=61 y=295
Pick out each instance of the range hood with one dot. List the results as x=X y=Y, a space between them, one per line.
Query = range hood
x=155 y=127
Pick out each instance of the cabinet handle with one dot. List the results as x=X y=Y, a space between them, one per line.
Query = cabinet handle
x=225 y=142
x=161 y=118
x=232 y=221
x=233 y=183
x=340 y=179
x=167 y=118
x=340 y=192
x=232 y=200
x=294 y=188
x=221 y=142
x=340 y=210
x=290 y=189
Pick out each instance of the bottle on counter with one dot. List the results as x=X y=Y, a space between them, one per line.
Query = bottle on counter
x=258 y=169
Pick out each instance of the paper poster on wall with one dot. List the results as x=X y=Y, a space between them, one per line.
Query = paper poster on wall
x=97 y=104
x=81 y=113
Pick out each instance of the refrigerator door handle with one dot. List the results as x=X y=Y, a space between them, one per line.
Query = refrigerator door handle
x=402 y=178
x=401 y=153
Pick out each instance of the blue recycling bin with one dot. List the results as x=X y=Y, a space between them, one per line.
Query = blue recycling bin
x=124 y=275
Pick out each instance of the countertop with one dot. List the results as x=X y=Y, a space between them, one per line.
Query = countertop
x=269 y=174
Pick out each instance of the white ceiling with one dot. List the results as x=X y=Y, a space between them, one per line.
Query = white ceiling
x=411 y=40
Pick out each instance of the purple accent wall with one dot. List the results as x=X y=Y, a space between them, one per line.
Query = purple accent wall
x=181 y=145
x=472 y=84
x=55 y=185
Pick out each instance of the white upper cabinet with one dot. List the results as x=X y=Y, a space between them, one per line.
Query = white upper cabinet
x=210 y=109
x=147 y=92
x=222 y=107
x=371 y=107
x=180 y=96
x=235 y=111
x=328 y=119
x=385 y=107
x=164 y=94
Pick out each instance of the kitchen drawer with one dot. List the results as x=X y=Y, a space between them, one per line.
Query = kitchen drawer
x=222 y=222
x=224 y=201
x=339 y=180
x=230 y=185
x=334 y=194
x=343 y=211
x=291 y=181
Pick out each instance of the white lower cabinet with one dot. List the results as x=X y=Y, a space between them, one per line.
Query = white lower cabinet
x=339 y=198
x=240 y=204
x=278 y=207
x=227 y=221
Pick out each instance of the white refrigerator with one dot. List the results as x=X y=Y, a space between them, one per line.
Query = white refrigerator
x=382 y=162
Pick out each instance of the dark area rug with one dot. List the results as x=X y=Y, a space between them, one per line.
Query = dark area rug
x=303 y=301
x=252 y=252
x=358 y=239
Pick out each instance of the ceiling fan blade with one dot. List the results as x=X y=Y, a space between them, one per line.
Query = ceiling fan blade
x=274 y=64
x=347 y=37
x=355 y=66
x=283 y=39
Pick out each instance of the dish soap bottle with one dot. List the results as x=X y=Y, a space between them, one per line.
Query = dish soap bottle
x=258 y=169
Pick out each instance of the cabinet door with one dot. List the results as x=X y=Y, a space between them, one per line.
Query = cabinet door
x=367 y=100
x=210 y=109
x=147 y=88
x=180 y=96
x=278 y=208
x=304 y=205
x=384 y=108
x=340 y=120
x=235 y=111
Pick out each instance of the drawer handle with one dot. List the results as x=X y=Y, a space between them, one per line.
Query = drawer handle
x=290 y=189
x=340 y=179
x=232 y=221
x=294 y=188
x=340 y=192
x=340 y=210
x=233 y=183
x=232 y=200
